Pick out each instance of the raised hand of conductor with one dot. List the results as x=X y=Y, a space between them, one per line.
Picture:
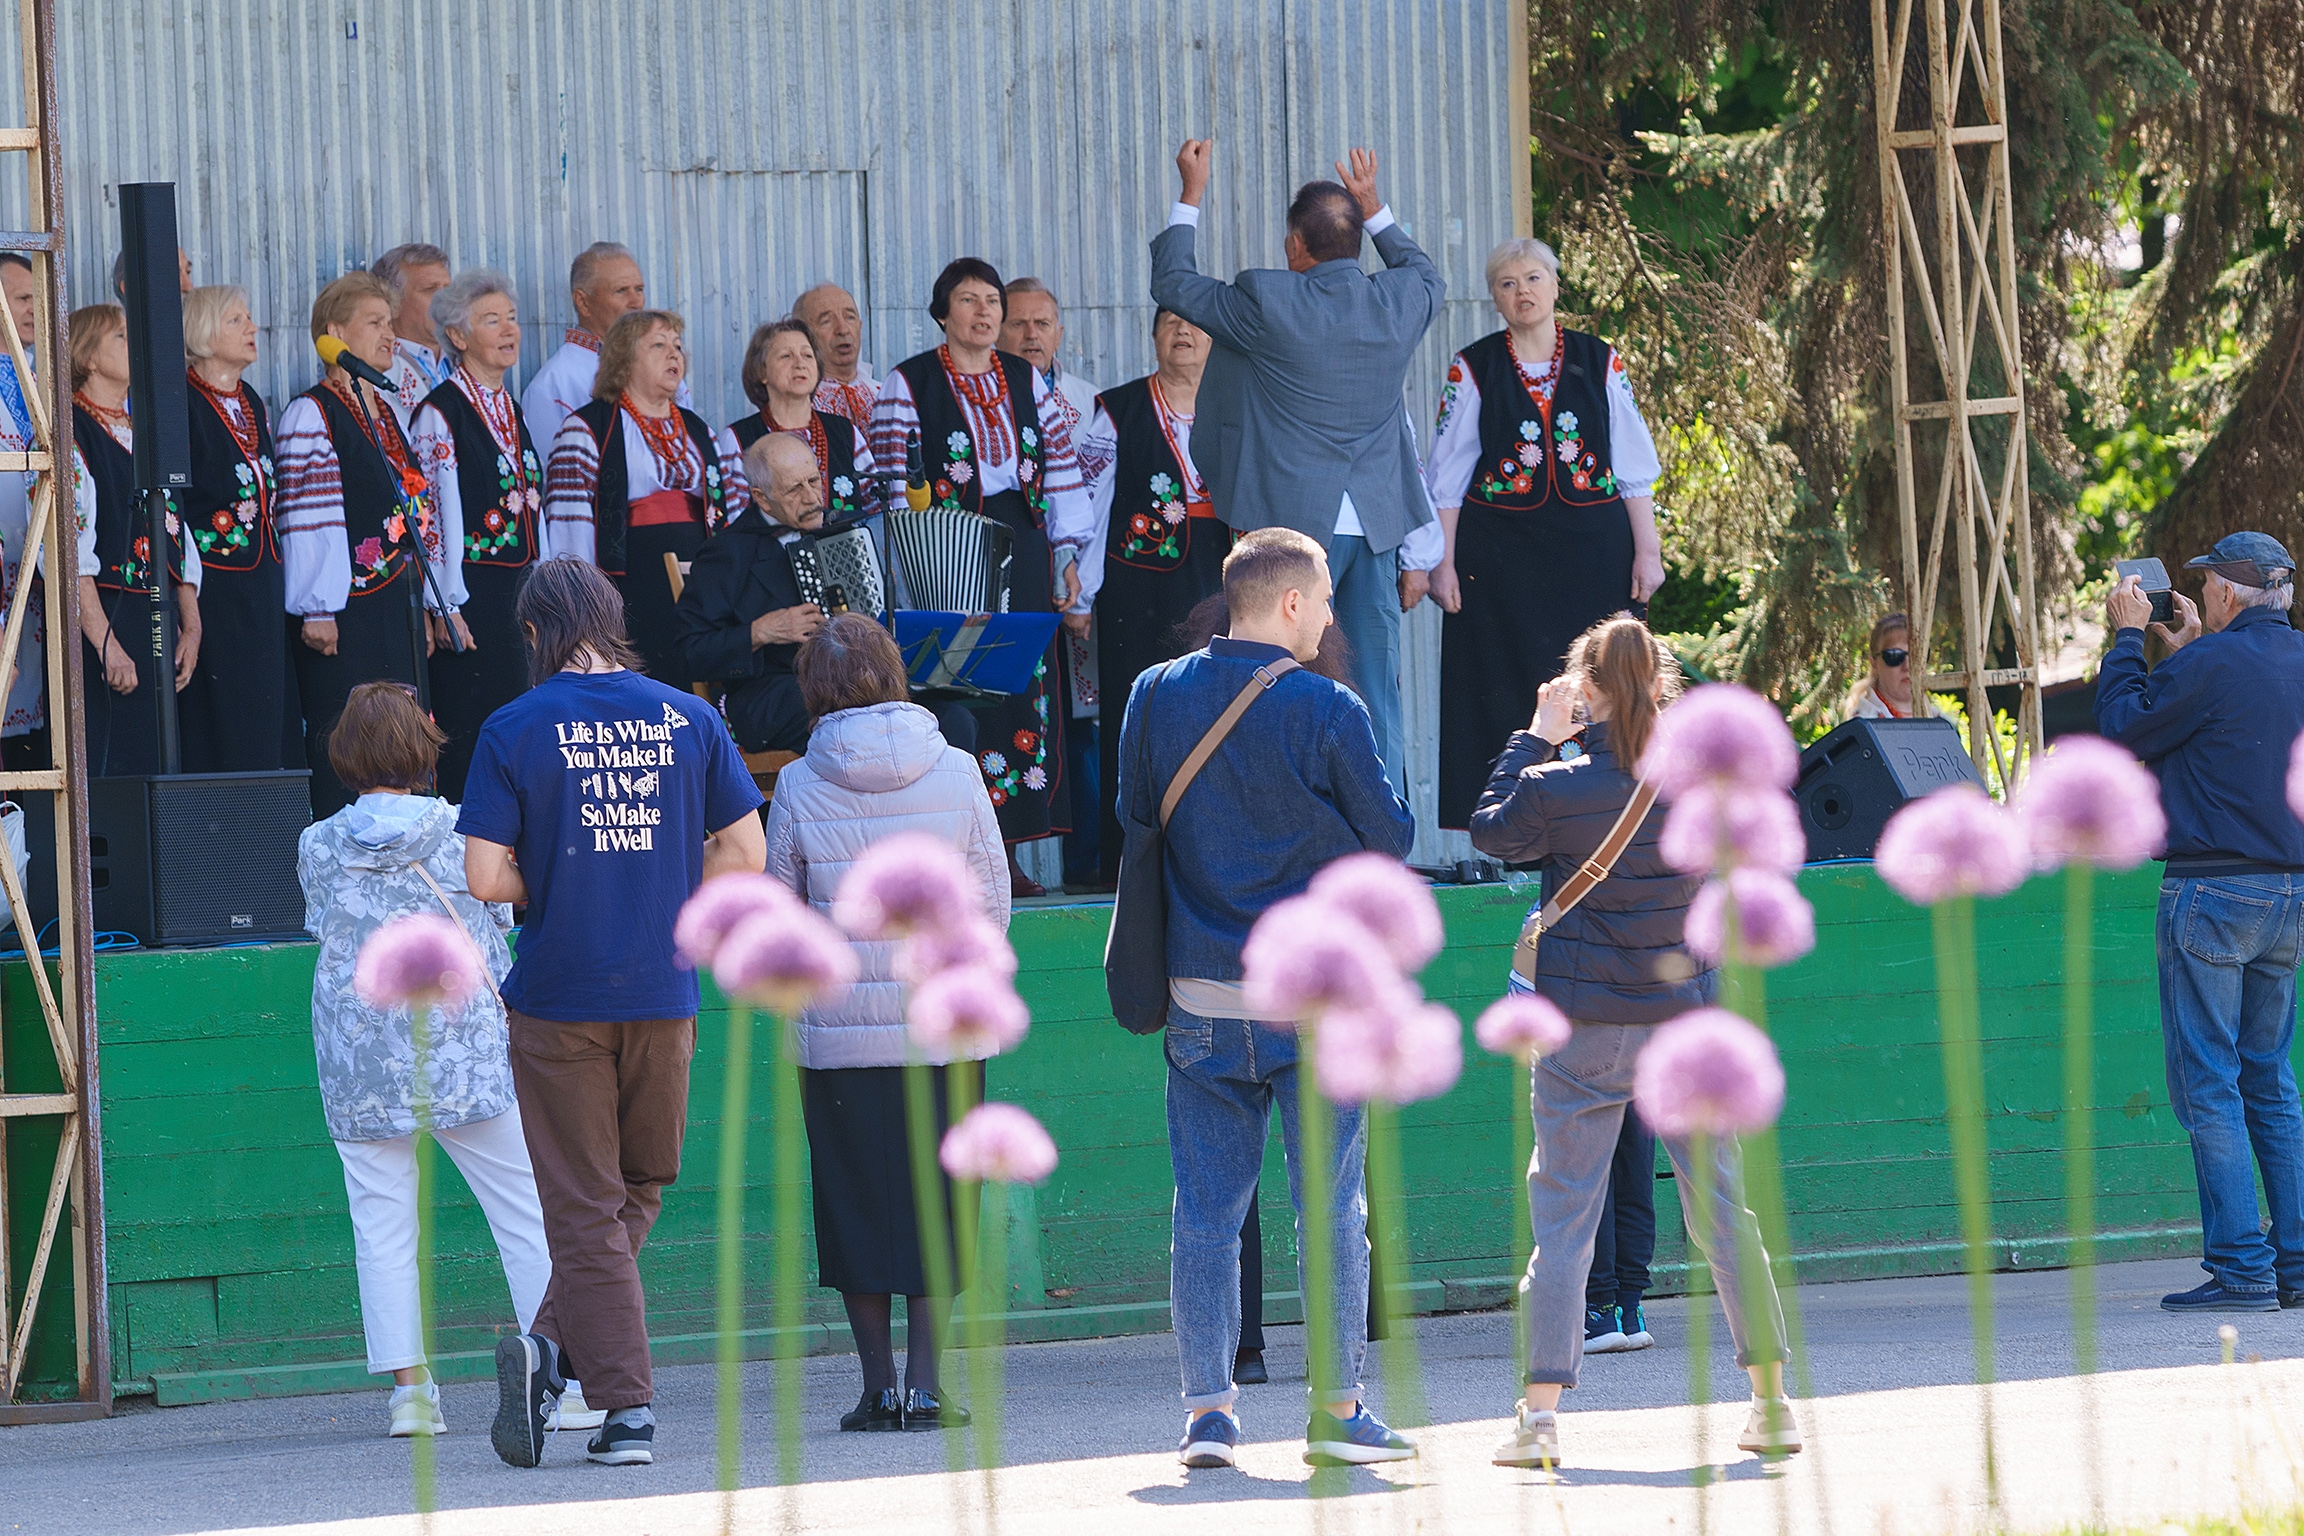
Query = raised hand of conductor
x=1192 y=167
x=1360 y=181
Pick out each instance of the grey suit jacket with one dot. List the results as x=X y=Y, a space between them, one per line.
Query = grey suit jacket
x=1301 y=401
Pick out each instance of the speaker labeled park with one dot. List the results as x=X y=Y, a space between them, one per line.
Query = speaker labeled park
x=1854 y=779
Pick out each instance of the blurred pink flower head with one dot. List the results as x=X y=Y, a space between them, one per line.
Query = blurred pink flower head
x=418 y=961
x=1522 y=1024
x=927 y=951
x=1391 y=901
x=1954 y=842
x=1750 y=828
x=784 y=959
x=998 y=1141
x=1306 y=955
x=969 y=1011
x=2296 y=778
x=1720 y=734
x=1708 y=1072
x=1774 y=921
x=903 y=884
x=1375 y=1053
x=720 y=903
x=2090 y=802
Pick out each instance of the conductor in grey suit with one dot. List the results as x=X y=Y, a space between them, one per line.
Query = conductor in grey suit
x=1301 y=420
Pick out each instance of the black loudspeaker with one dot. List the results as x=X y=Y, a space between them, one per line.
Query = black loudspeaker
x=192 y=858
x=1861 y=774
x=155 y=335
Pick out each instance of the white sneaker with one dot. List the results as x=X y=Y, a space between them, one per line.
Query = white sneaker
x=416 y=1411
x=575 y=1413
x=1770 y=1430
x=1535 y=1440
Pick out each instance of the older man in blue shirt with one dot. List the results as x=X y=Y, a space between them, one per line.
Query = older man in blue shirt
x=2216 y=721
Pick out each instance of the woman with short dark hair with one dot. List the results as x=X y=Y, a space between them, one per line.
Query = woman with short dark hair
x=782 y=368
x=876 y=764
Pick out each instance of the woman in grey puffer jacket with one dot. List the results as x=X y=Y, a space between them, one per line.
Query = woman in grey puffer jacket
x=876 y=765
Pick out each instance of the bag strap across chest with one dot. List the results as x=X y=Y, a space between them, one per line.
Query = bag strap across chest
x=1580 y=884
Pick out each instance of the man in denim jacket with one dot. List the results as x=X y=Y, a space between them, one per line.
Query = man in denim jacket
x=1296 y=784
x=2215 y=721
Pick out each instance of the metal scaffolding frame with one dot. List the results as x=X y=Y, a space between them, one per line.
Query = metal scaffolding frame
x=74 y=1186
x=1972 y=280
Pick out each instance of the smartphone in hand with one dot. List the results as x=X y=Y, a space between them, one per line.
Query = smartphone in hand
x=2156 y=585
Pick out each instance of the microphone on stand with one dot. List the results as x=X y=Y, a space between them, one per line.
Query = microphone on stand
x=915 y=473
x=337 y=355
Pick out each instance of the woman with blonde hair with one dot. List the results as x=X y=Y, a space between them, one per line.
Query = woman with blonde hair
x=1618 y=966
x=1886 y=691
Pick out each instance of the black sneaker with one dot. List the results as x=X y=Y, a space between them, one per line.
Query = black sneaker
x=624 y=1443
x=2211 y=1296
x=1248 y=1369
x=1603 y=1331
x=2292 y=1298
x=528 y=1387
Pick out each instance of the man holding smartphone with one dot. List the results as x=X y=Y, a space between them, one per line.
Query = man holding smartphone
x=2216 y=721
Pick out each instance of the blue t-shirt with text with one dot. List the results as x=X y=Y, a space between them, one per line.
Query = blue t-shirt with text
x=604 y=785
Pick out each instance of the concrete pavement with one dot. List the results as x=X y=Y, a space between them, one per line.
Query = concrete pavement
x=1894 y=1434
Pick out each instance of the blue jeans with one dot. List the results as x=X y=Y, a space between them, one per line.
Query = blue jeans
x=1368 y=611
x=1224 y=1077
x=2228 y=949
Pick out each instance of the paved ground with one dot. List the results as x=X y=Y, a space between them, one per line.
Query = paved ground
x=1894 y=1442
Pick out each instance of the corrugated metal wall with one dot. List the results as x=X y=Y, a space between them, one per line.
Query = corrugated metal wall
x=746 y=149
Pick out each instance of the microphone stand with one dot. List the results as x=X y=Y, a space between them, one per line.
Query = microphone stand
x=163 y=635
x=425 y=576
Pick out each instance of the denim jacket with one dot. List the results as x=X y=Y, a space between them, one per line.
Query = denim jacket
x=1296 y=785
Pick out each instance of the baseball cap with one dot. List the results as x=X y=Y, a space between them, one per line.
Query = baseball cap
x=2251 y=559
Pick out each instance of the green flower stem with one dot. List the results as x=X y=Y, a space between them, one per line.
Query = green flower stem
x=789 y=1283
x=1313 y=1135
x=1387 y=1195
x=1700 y=1322
x=424 y=1454
x=928 y=1201
x=1523 y=1234
x=728 y=1251
x=2080 y=1143
x=1955 y=934
x=989 y=1333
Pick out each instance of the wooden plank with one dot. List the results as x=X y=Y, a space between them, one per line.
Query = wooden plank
x=1940 y=410
x=19 y=1105
x=28 y=1306
x=1925 y=138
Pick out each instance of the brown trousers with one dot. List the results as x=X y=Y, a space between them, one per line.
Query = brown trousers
x=604 y=1106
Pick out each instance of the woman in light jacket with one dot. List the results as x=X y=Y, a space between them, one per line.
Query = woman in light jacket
x=876 y=765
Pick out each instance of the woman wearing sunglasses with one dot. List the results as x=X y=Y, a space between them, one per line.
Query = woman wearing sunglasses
x=1886 y=692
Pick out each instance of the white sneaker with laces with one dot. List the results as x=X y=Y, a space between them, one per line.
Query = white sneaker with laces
x=575 y=1413
x=1770 y=1430
x=1535 y=1439
x=416 y=1411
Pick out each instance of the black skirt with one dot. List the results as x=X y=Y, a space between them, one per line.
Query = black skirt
x=239 y=711
x=1533 y=582
x=123 y=728
x=1138 y=613
x=860 y=1163
x=1020 y=738
x=467 y=689
x=373 y=644
x=650 y=614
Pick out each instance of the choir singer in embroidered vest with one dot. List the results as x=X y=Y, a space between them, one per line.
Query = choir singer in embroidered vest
x=780 y=376
x=1154 y=546
x=238 y=714
x=993 y=444
x=116 y=602
x=350 y=491
x=1542 y=470
x=488 y=488
x=847 y=388
x=636 y=478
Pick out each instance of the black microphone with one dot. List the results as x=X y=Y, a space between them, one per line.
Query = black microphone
x=915 y=473
x=337 y=355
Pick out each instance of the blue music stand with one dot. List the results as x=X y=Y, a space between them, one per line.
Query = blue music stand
x=972 y=653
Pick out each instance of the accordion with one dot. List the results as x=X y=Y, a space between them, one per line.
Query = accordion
x=838 y=568
x=951 y=561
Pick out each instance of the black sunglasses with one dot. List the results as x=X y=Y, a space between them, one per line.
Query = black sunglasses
x=1895 y=655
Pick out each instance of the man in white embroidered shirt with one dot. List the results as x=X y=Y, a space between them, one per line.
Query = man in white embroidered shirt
x=605 y=285
x=847 y=387
x=414 y=272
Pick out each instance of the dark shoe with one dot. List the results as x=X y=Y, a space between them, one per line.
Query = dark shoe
x=1248 y=1369
x=528 y=1387
x=1354 y=1442
x=625 y=1441
x=879 y=1410
x=1211 y=1440
x=2292 y=1298
x=923 y=1411
x=1603 y=1331
x=1635 y=1323
x=2211 y=1296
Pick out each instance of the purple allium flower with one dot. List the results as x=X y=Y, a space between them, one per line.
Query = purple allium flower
x=1306 y=955
x=2296 y=778
x=1708 y=1072
x=1754 y=828
x=998 y=1141
x=784 y=959
x=416 y=962
x=1954 y=842
x=1391 y=901
x=2090 y=802
x=1522 y=1024
x=1773 y=919
x=720 y=903
x=1720 y=734
x=1400 y=1057
x=970 y=1011
x=904 y=883
x=975 y=942
x=1427 y=1055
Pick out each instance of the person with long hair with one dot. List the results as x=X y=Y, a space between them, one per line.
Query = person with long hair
x=1618 y=965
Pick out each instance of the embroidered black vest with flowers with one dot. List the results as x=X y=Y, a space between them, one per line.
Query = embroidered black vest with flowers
x=1531 y=453
x=123 y=540
x=378 y=500
x=834 y=439
x=612 y=493
x=950 y=450
x=1149 y=527
x=228 y=507
x=502 y=497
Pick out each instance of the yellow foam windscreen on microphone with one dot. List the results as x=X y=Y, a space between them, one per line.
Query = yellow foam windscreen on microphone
x=330 y=349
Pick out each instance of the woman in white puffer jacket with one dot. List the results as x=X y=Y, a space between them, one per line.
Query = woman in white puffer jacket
x=876 y=765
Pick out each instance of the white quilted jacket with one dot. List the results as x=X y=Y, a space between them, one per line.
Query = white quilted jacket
x=871 y=773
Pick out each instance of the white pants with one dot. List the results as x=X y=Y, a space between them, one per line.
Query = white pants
x=380 y=1179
